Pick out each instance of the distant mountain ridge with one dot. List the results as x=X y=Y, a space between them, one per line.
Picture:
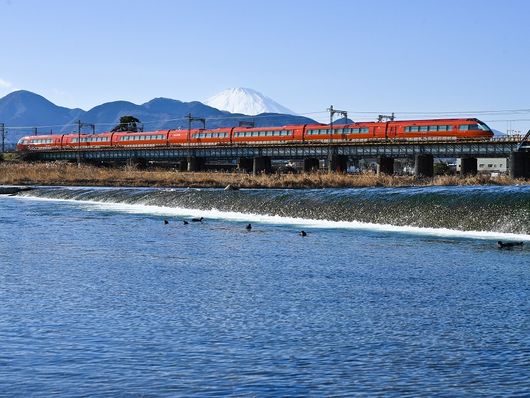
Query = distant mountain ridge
x=22 y=110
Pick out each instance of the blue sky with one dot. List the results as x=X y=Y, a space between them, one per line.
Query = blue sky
x=362 y=56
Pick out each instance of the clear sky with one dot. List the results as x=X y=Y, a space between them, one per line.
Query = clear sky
x=378 y=56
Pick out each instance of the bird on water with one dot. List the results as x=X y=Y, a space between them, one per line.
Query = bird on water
x=166 y=222
x=185 y=222
x=509 y=245
x=248 y=227
x=302 y=233
x=197 y=219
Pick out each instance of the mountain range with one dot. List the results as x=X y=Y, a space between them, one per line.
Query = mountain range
x=22 y=111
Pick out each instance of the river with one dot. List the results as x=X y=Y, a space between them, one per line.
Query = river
x=394 y=292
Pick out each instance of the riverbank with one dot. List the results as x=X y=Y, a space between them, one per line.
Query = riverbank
x=85 y=175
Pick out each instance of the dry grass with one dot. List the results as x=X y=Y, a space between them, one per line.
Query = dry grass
x=70 y=174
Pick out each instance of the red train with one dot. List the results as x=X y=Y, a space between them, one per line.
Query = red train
x=435 y=129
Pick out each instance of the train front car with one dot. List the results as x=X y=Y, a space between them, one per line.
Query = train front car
x=442 y=129
x=38 y=142
x=473 y=128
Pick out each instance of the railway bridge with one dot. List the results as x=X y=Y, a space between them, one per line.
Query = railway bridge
x=258 y=158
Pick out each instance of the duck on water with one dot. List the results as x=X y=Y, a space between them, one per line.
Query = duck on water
x=509 y=245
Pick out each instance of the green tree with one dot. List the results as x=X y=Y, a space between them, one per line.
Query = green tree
x=127 y=123
x=441 y=169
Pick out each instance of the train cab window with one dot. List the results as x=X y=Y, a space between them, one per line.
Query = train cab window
x=475 y=126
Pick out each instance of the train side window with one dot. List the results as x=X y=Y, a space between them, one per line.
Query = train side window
x=464 y=127
x=424 y=128
x=364 y=130
x=414 y=129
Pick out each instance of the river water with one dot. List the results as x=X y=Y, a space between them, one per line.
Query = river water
x=394 y=292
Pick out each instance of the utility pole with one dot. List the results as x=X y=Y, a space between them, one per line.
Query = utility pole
x=332 y=113
x=194 y=119
x=3 y=133
x=80 y=125
x=390 y=118
x=190 y=120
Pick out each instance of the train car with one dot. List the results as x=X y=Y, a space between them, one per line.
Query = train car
x=76 y=140
x=221 y=136
x=267 y=135
x=39 y=142
x=180 y=137
x=434 y=129
x=139 y=139
x=355 y=131
x=444 y=128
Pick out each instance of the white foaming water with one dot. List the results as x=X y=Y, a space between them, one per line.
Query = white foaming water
x=280 y=220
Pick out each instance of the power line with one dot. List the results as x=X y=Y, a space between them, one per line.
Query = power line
x=359 y=113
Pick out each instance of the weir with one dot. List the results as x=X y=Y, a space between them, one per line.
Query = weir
x=503 y=209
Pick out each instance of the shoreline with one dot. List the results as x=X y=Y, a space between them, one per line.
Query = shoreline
x=67 y=174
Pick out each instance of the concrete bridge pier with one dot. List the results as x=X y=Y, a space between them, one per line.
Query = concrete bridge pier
x=261 y=164
x=520 y=165
x=385 y=165
x=339 y=163
x=311 y=164
x=182 y=165
x=424 y=165
x=245 y=164
x=468 y=166
x=195 y=164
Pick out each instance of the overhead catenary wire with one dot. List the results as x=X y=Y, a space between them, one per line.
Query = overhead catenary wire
x=355 y=115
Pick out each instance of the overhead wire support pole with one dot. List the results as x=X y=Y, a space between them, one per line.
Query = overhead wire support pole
x=332 y=113
x=521 y=144
x=390 y=118
x=80 y=125
x=190 y=120
x=3 y=133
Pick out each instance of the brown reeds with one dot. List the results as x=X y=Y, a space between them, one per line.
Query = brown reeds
x=58 y=173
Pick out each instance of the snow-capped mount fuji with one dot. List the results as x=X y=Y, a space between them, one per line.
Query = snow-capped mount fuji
x=246 y=101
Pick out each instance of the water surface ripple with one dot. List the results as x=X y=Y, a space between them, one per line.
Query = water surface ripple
x=98 y=302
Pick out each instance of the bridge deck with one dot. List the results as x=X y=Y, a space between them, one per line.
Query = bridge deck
x=394 y=149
